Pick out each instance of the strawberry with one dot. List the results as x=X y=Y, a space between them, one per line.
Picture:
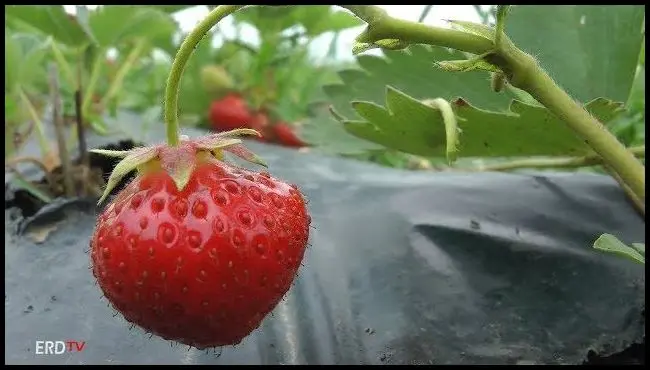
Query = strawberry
x=229 y=113
x=286 y=136
x=194 y=249
x=260 y=123
x=215 y=79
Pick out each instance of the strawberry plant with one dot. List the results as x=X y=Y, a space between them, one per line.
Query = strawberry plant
x=231 y=240
x=79 y=46
x=198 y=250
x=185 y=180
x=25 y=101
x=277 y=79
x=88 y=84
x=402 y=103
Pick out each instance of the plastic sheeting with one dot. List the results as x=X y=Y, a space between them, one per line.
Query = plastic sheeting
x=403 y=268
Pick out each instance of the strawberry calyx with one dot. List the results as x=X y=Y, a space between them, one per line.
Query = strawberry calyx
x=178 y=161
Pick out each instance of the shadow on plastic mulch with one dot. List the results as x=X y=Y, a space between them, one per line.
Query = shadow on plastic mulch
x=403 y=268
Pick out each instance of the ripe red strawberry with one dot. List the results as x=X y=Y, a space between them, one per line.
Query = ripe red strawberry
x=286 y=136
x=193 y=249
x=229 y=113
x=260 y=123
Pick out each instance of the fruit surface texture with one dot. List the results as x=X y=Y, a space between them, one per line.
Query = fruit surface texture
x=203 y=265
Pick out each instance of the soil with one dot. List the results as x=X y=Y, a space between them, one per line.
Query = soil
x=87 y=182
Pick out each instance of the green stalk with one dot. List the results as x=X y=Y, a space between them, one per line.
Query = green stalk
x=92 y=83
x=523 y=72
x=125 y=68
x=568 y=162
x=540 y=85
x=638 y=203
x=521 y=69
x=182 y=56
x=63 y=63
x=382 y=27
x=38 y=124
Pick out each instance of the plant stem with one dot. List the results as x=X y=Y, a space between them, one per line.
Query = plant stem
x=502 y=10
x=382 y=26
x=182 y=56
x=62 y=62
x=331 y=49
x=541 y=87
x=124 y=69
x=636 y=202
x=523 y=72
x=424 y=13
x=40 y=132
x=92 y=82
x=572 y=162
x=57 y=119
x=81 y=131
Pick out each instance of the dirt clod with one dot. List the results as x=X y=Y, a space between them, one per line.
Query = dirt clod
x=39 y=234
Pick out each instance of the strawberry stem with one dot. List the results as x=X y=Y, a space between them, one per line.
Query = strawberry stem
x=182 y=56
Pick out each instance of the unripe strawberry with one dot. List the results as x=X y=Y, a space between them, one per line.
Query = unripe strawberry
x=216 y=80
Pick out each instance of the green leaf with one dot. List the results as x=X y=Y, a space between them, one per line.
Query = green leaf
x=467 y=65
x=24 y=61
x=413 y=72
x=590 y=50
x=327 y=135
x=83 y=17
x=476 y=29
x=11 y=108
x=386 y=126
x=637 y=92
x=412 y=126
x=52 y=20
x=13 y=54
x=340 y=20
x=270 y=20
x=642 y=53
x=609 y=243
x=32 y=189
x=323 y=18
x=114 y=24
x=171 y=8
x=639 y=247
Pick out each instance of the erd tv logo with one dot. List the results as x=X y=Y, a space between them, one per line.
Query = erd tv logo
x=58 y=347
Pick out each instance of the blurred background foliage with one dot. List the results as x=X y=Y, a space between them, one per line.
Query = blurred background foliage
x=118 y=57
